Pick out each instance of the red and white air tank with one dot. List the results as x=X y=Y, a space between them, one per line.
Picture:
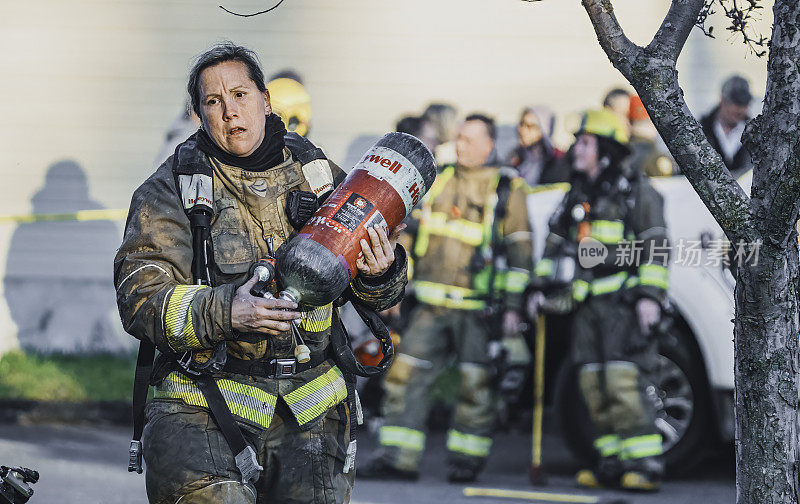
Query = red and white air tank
x=316 y=266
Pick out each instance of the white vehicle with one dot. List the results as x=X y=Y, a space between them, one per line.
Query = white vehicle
x=693 y=385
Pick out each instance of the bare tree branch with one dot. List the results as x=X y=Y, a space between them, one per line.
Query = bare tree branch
x=620 y=50
x=656 y=81
x=674 y=30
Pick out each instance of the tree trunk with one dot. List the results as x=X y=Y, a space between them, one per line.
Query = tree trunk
x=766 y=325
x=766 y=340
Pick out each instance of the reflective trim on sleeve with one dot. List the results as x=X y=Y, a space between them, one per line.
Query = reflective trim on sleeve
x=402 y=437
x=654 y=275
x=580 y=289
x=246 y=402
x=318 y=319
x=641 y=446
x=317 y=396
x=468 y=444
x=178 y=326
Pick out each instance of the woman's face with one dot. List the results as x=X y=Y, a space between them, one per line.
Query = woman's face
x=232 y=108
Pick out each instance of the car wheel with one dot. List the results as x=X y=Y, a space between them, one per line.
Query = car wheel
x=677 y=387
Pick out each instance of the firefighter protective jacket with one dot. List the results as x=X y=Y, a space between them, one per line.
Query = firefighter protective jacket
x=624 y=216
x=455 y=231
x=158 y=300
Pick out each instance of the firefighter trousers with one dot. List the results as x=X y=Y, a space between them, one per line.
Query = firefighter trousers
x=613 y=359
x=434 y=335
x=188 y=460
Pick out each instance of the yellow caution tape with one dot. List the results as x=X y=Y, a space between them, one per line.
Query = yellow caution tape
x=82 y=215
x=533 y=496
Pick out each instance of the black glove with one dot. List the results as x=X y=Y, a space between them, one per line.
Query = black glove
x=300 y=206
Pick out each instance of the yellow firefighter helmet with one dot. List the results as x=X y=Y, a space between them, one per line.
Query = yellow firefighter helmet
x=603 y=123
x=292 y=103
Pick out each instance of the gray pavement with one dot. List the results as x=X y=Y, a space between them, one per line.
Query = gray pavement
x=87 y=465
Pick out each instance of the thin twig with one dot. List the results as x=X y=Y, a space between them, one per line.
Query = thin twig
x=255 y=13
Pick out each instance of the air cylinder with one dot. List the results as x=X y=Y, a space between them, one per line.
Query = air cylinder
x=316 y=266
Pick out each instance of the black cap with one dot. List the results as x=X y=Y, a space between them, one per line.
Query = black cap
x=737 y=91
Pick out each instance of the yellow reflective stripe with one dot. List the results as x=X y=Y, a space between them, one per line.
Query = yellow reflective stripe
x=317 y=396
x=441 y=181
x=402 y=437
x=654 y=275
x=580 y=289
x=448 y=296
x=608 y=284
x=178 y=325
x=606 y=231
x=607 y=445
x=641 y=446
x=560 y=186
x=632 y=282
x=422 y=239
x=462 y=230
x=516 y=280
x=545 y=268
x=468 y=444
x=318 y=319
x=246 y=402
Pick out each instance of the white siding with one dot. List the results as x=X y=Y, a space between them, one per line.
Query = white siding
x=97 y=83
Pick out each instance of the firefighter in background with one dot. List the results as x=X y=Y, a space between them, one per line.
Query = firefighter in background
x=291 y=101
x=617 y=298
x=453 y=252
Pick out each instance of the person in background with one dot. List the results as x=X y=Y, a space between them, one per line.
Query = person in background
x=421 y=128
x=535 y=158
x=646 y=157
x=616 y=299
x=455 y=247
x=291 y=101
x=724 y=125
x=444 y=118
x=618 y=101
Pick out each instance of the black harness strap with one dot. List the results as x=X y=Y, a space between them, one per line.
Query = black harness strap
x=144 y=367
x=245 y=456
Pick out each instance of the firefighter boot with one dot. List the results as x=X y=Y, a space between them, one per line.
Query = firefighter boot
x=642 y=475
x=605 y=475
x=462 y=473
x=379 y=468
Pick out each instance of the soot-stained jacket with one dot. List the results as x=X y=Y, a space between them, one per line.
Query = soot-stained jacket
x=159 y=301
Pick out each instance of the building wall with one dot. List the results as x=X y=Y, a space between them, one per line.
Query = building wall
x=91 y=86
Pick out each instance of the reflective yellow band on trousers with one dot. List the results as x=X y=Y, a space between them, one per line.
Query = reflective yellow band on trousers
x=448 y=296
x=641 y=446
x=317 y=396
x=608 y=445
x=318 y=319
x=178 y=326
x=244 y=401
x=545 y=268
x=608 y=232
x=402 y=437
x=468 y=444
x=654 y=275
